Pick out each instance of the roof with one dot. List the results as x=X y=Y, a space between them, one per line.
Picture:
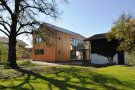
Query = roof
x=64 y=30
x=6 y=40
x=96 y=37
x=29 y=49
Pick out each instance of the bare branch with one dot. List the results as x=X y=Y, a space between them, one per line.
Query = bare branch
x=5 y=27
x=24 y=33
x=3 y=2
x=27 y=24
x=4 y=32
x=3 y=21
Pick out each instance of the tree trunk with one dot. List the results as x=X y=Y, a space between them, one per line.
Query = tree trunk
x=12 y=44
x=12 y=52
x=110 y=60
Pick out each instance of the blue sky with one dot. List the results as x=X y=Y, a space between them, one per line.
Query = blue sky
x=89 y=17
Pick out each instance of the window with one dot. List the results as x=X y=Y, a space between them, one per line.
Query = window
x=77 y=44
x=59 y=51
x=77 y=49
x=39 y=39
x=82 y=44
x=59 y=38
x=71 y=39
x=39 y=51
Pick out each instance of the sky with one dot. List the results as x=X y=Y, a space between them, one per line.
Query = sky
x=89 y=17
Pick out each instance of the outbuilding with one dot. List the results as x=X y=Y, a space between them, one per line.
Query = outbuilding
x=104 y=52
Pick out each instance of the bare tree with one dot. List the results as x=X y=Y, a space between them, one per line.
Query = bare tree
x=22 y=16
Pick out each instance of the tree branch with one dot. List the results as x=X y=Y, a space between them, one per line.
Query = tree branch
x=5 y=23
x=27 y=24
x=4 y=32
x=5 y=27
x=3 y=2
x=24 y=32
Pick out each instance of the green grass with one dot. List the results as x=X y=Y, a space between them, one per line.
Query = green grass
x=73 y=78
x=21 y=64
x=26 y=64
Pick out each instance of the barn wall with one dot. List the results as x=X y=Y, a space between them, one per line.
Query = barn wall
x=126 y=58
x=98 y=59
x=49 y=51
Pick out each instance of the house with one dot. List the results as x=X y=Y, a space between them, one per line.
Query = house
x=65 y=46
x=4 y=41
x=103 y=52
x=20 y=46
x=27 y=54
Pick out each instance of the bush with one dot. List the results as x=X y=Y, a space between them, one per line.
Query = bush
x=3 y=55
x=132 y=58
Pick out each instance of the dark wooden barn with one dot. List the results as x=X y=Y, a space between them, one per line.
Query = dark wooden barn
x=104 y=52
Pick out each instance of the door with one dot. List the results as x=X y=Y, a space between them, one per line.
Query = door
x=121 y=58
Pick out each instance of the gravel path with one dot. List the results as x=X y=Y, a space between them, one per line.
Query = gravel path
x=56 y=64
x=49 y=63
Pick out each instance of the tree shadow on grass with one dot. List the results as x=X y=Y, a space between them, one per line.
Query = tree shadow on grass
x=62 y=85
x=96 y=79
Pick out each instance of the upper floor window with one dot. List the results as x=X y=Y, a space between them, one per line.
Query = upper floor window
x=77 y=44
x=39 y=39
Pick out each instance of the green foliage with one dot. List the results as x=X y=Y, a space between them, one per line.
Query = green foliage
x=20 y=51
x=123 y=30
x=3 y=55
x=132 y=58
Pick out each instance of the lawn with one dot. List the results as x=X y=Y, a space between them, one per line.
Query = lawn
x=71 y=78
x=22 y=64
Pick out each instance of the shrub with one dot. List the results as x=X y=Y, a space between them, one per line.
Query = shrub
x=3 y=55
x=132 y=58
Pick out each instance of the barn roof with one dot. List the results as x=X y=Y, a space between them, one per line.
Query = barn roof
x=64 y=30
x=96 y=37
x=6 y=40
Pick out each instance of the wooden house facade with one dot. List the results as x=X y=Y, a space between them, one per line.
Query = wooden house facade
x=65 y=46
